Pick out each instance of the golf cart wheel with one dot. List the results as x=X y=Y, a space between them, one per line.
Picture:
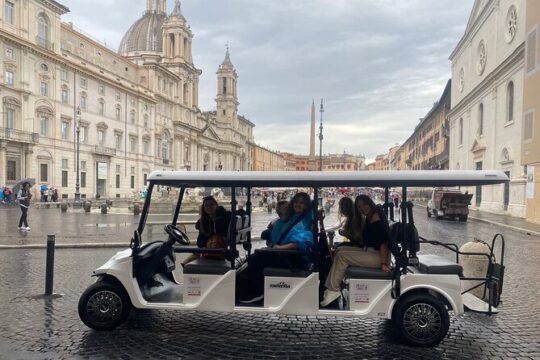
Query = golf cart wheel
x=428 y=213
x=421 y=320
x=463 y=218
x=104 y=306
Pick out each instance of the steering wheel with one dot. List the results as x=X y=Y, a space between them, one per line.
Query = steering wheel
x=177 y=234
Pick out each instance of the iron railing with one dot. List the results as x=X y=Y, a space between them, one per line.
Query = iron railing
x=18 y=135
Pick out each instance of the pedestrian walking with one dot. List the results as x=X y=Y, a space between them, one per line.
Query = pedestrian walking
x=23 y=197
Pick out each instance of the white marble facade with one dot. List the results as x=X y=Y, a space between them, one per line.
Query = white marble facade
x=487 y=93
x=139 y=106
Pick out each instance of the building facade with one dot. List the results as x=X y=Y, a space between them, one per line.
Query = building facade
x=531 y=111
x=428 y=146
x=267 y=160
x=139 y=107
x=487 y=98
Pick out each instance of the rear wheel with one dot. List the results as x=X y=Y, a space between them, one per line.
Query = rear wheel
x=104 y=306
x=463 y=218
x=421 y=320
x=428 y=213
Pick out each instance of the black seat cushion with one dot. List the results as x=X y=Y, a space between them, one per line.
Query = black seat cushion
x=355 y=272
x=434 y=264
x=279 y=272
x=207 y=267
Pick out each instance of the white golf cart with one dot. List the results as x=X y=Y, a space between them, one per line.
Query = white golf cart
x=417 y=295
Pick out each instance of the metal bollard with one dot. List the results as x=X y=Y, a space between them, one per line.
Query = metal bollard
x=103 y=208
x=49 y=267
x=64 y=207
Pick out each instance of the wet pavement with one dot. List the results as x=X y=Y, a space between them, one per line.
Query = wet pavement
x=36 y=328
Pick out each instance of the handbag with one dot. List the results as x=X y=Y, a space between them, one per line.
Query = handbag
x=215 y=242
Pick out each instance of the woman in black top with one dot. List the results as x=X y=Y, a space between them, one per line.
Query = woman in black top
x=372 y=253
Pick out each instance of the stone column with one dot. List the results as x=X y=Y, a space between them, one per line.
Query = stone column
x=165 y=44
x=3 y=162
x=181 y=46
x=177 y=40
x=196 y=94
x=29 y=170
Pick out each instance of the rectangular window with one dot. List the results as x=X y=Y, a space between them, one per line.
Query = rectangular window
x=132 y=170
x=10 y=118
x=84 y=83
x=44 y=126
x=531 y=51
x=82 y=102
x=118 y=169
x=132 y=145
x=528 y=121
x=44 y=173
x=64 y=75
x=9 y=78
x=65 y=164
x=101 y=90
x=65 y=96
x=83 y=130
x=9 y=53
x=9 y=13
x=118 y=181
x=101 y=137
x=145 y=176
x=11 y=170
x=101 y=108
x=118 y=141
x=132 y=182
x=64 y=179
x=83 y=164
x=146 y=147
x=44 y=89
x=83 y=179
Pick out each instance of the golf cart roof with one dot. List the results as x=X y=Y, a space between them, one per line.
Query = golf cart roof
x=430 y=178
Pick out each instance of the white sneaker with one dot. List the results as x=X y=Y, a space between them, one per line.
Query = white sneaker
x=329 y=297
x=28 y=228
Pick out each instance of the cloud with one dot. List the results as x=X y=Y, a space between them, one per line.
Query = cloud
x=379 y=65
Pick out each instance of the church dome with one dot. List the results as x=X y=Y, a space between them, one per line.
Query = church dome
x=145 y=35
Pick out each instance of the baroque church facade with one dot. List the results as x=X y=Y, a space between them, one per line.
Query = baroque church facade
x=137 y=109
x=486 y=102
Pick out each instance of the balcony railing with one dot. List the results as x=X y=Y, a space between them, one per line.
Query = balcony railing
x=19 y=136
x=165 y=161
x=106 y=151
x=44 y=43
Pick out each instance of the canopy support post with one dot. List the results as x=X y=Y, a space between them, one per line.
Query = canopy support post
x=232 y=229
x=248 y=211
x=178 y=205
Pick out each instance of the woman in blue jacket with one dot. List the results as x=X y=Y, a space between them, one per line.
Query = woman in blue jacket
x=294 y=234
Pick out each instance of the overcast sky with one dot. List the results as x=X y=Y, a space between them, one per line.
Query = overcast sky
x=379 y=64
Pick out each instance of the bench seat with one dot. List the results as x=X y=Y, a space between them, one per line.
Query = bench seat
x=207 y=267
x=279 y=272
x=355 y=272
x=435 y=264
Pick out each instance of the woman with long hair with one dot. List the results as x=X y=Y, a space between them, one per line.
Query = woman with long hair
x=351 y=223
x=372 y=253
x=23 y=197
x=295 y=234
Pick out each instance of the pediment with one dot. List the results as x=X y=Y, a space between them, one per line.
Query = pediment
x=210 y=132
x=478 y=146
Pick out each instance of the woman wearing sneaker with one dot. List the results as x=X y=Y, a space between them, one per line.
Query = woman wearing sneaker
x=372 y=253
x=23 y=197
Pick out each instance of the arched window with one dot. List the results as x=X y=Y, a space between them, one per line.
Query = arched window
x=510 y=102
x=165 y=146
x=43 y=30
x=481 y=119
x=460 y=131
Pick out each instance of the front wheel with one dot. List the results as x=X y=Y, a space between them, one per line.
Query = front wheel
x=422 y=320
x=104 y=306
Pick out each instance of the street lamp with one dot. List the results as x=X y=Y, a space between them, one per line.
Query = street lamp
x=321 y=137
x=77 y=203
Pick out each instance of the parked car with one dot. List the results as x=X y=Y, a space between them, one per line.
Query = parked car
x=449 y=203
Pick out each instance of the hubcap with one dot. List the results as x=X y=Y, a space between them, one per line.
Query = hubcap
x=422 y=321
x=104 y=307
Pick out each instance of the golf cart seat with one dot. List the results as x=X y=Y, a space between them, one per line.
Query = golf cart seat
x=279 y=272
x=207 y=267
x=434 y=264
x=356 y=272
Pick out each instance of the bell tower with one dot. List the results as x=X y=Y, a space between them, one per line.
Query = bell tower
x=227 y=96
x=177 y=37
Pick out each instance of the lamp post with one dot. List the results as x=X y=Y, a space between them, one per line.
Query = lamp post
x=77 y=203
x=321 y=137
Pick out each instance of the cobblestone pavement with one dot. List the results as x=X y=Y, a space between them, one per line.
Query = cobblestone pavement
x=35 y=328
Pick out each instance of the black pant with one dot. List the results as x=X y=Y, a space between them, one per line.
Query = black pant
x=258 y=261
x=24 y=214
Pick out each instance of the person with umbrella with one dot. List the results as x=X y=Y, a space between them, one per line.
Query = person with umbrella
x=23 y=198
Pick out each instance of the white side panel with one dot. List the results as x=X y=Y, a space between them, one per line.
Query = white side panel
x=299 y=296
x=370 y=296
x=210 y=292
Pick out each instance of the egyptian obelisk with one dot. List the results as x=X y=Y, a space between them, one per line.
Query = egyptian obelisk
x=311 y=163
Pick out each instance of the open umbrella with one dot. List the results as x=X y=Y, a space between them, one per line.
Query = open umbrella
x=19 y=183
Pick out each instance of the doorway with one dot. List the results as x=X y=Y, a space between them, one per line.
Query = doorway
x=101 y=179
